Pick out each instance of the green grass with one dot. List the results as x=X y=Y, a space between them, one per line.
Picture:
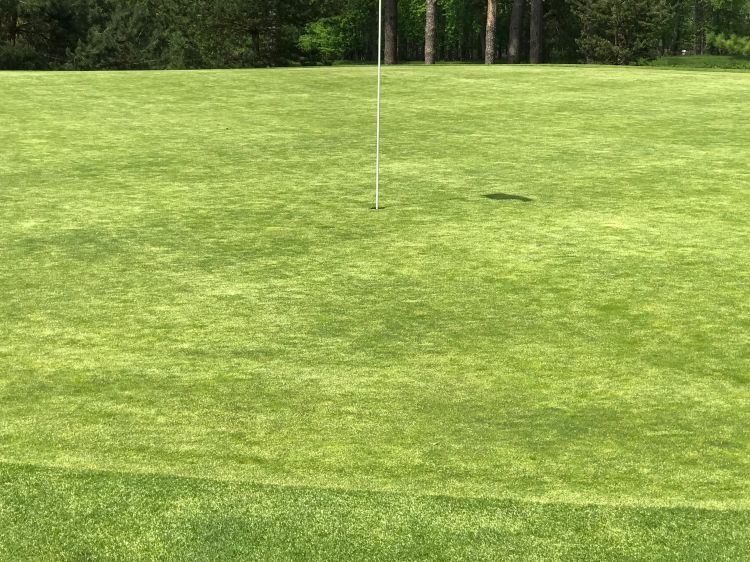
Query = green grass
x=704 y=62
x=211 y=347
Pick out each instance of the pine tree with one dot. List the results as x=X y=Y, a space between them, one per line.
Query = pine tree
x=536 y=38
x=430 y=32
x=514 y=42
x=619 y=31
x=489 y=45
x=390 y=36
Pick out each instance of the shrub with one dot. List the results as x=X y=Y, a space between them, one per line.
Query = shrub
x=325 y=39
x=730 y=44
x=20 y=57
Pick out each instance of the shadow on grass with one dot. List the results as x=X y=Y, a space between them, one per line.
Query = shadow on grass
x=507 y=197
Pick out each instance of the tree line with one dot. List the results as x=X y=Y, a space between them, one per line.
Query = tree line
x=145 y=34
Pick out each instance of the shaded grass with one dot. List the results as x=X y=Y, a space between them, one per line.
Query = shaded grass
x=194 y=286
x=96 y=516
x=727 y=62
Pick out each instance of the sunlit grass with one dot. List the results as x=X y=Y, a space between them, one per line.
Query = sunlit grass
x=210 y=345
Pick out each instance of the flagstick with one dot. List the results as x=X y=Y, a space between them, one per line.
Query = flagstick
x=377 y=137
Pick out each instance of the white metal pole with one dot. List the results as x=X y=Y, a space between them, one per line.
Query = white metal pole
x=377 y=134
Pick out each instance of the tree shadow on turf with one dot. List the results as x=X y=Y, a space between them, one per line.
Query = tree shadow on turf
x=507 y=197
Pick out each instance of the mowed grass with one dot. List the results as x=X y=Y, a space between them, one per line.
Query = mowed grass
x=212 y=348
x=726 y=62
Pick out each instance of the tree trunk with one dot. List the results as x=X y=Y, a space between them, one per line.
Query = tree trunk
x=390 y=52
x=430 y=33
x=675 y=37
x=537 y=31
x=255 y=44
x=489 y=43
x=514 y=43
x=699 y=27
x=13 y=31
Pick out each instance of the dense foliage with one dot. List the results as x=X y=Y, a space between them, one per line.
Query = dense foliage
x=730 y=44
x=128 y=34
x=620 y=31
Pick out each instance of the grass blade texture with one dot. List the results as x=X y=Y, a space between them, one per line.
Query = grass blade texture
x=212 y=348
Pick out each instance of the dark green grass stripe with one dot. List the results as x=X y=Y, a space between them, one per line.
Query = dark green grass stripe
x=59 y=514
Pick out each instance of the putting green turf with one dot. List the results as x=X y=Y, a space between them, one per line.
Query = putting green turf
x=211 y=346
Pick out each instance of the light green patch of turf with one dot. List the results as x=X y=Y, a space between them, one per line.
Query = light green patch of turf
x=194 y=285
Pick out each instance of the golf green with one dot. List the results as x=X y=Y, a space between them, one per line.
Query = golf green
x=211 y=347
